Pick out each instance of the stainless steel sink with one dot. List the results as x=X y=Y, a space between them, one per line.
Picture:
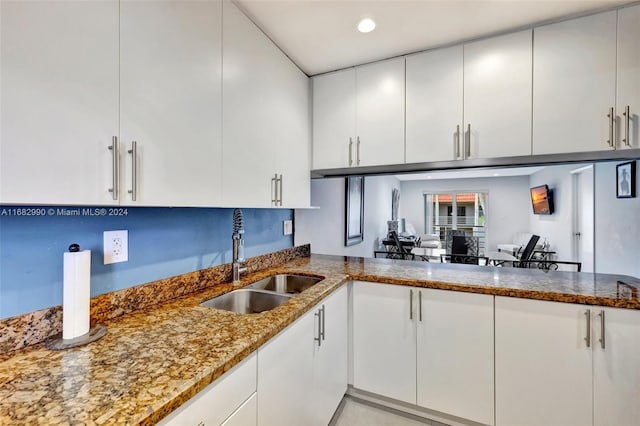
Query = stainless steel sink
x=247 y=301
x=285 y=283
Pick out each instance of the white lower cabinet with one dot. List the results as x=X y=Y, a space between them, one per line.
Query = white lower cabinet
x=226 y=401
x=455 y=354
x=616 y=368
x=302 y=372
x=432 y=348
x=245 y=415
x=384 y=340
x=543 y=363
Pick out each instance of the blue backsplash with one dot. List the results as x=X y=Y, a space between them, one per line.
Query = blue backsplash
x=163 y=242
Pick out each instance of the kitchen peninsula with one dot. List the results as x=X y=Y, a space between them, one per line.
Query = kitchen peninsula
x=154 y=360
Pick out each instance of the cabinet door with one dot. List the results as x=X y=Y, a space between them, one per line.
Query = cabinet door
x=220 y=400
x=250 y=64
x=455 y=354
x=434 y=105
x=334 y=119
x=629 y=76
x=246 y=415
x=543 y=364
x=615 y=367
x=497 y=96
x=384 y=340
x=285 y=375
x=380 y=113
x=59 y=103
x=170 y=100
x=291 y=113
x=330 y=358
x=574 y=77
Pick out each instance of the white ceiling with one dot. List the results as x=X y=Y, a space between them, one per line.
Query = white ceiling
x=321 y=35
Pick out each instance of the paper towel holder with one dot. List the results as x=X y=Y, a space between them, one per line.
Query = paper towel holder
x=57 y=342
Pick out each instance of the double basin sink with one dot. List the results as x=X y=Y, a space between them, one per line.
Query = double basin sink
x=263 y=295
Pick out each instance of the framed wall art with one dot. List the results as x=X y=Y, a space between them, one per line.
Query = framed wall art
x=626 y=180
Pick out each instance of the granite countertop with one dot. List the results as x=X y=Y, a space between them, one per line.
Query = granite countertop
x=152 y=361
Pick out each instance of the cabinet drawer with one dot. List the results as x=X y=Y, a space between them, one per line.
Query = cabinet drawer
x=218 y=400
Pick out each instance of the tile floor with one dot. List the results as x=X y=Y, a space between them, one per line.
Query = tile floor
x=357 y=413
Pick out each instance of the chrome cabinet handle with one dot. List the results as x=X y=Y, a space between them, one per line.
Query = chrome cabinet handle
x=280 y=198
x=611 y=142
x=587 y=339
x=467 y=143
x=134 y=170
x=358 y=151
x=420 y=305
x=274 y=190
x=323 y=315
x=627 y=118
x=114 y=167
x=411 y=304
x=601 y=315
x=456 y=143
x=350 y=151
x=319 y=338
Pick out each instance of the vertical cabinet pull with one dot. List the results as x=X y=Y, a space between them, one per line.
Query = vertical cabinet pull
x=358 y=151
x=319 y=338
x=350 y=151
x=420 y=305
x=467 y=143
x=114 y=167
x=411 y=304
x=134 y=170
x=456 y=143
x=601 y=315
x=323 y=315
x=611 y=142
x=274 y=190
x=587 y=339
x=627 y=117
x=280 y=198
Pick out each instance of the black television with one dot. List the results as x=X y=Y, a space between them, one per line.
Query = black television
x=542 y=200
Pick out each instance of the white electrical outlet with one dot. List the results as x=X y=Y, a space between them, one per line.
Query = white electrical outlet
x=288 y=227
x=116 y=246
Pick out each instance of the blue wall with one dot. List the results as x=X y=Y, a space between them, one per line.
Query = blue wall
x=163 y=242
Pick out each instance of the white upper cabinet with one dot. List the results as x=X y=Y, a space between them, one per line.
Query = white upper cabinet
x=266 y=130
x=628 y=94
x=380 y=113
x=358 y=116
x=334 y=119
x=574 y=85
x=434 y=105
x=497 y=96
x=170 y=102
x=59 y=103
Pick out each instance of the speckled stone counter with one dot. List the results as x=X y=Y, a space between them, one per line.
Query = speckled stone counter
x=153 y=360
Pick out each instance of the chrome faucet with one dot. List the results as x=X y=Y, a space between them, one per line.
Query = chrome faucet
x=238 y=265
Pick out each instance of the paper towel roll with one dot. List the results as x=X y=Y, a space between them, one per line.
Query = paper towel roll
x=76 y=287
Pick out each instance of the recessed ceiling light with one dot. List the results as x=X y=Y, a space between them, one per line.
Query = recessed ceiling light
x=366 y=25
x=496 y=174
